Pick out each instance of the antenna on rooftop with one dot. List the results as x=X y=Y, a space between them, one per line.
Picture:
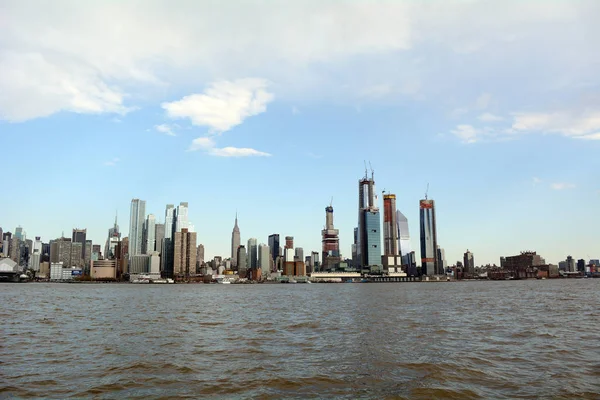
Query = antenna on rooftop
x=365 y=168
x=331 y=202
x=426 y=190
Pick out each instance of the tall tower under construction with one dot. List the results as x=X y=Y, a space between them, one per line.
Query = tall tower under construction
x=331 y=242
x=369 y=227
x=390 y=225
x=429 y=261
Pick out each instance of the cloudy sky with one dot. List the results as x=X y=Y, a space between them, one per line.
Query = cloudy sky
x=272 y=107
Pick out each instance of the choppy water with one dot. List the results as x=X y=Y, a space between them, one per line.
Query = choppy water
x=530 y=339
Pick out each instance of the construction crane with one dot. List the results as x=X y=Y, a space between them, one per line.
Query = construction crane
x=426 y=190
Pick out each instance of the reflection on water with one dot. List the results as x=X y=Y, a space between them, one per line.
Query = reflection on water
x=526 y=339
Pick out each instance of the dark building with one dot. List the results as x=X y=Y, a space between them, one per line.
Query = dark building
x=469 y=264
x=79 y=237
x=274 y=246
x=581 y=265
x=430 y=264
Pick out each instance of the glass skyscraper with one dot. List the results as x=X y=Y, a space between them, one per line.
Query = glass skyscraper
x=136 y=226
x=429 y=260
x=369 y=228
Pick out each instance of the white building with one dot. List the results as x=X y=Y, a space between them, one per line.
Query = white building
x=264 y=259
x=182 y=217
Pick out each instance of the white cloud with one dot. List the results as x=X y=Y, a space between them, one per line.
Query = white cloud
x=101 y=57
x=488 y=117
x=208 y=145
x=581 y=125
x=112 y=162
x=237 y=152
x=562 y=186
x=166 y=129
x=223 y=105
x=466 y=133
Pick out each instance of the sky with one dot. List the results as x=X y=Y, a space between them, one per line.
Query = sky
x=272 y=108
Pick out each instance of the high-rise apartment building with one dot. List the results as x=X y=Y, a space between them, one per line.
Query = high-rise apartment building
x=136 y=226
x=274 y=246
x=170 y=221
x=330 y=242
x=429 y=259
x=252 y=251
x=184 y=253
x=60 y=251
x=369 y=227
x=150 y=235
x=469 y=263
x=235 y=241
x=390 y=225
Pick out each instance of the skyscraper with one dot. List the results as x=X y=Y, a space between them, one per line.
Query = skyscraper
x=19 y=233
x=289 y=242
x=184 y=253
x=469 y=263
x=441 y=258
x=264 y=256
x=159 y=237
x=299 y=254
x=390 y=225
x=274 y=246
x=150 y=229
x=136 y=226
x=403 y=235
x=200 y=255
x=114 y=237
x=330 y=242
x=169 y=221
x=369 y=223
x=235 y=242
x=241 y=258
x=168 y=244
x=60 y=251
x=252 y=250
x=182 y=217
x=79 y=237
x=429 y=259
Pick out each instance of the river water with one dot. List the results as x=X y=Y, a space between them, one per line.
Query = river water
x=515 y=339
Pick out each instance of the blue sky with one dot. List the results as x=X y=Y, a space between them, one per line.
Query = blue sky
x=271 y=108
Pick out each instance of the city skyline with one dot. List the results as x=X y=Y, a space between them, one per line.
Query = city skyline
x=486 y=103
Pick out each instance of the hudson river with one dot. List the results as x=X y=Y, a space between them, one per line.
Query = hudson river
x=520 y=339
